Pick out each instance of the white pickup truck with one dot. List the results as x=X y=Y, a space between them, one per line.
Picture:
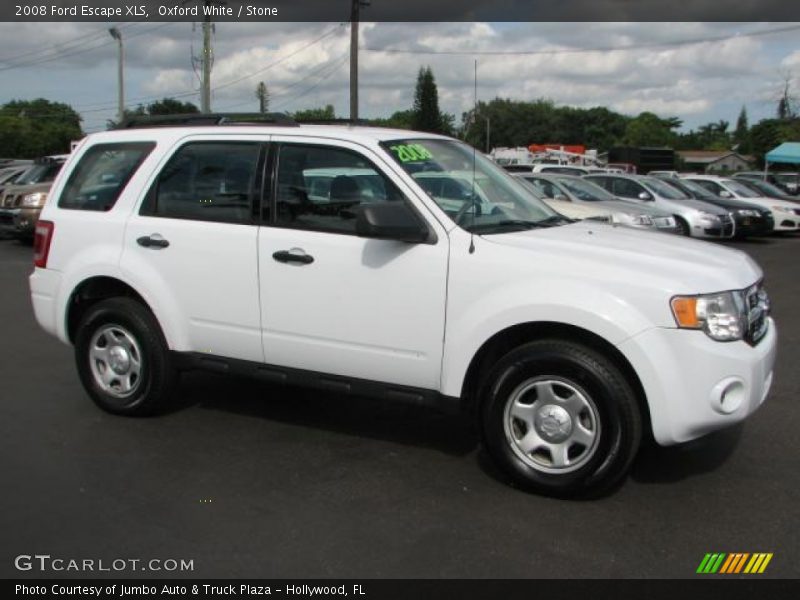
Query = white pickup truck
x=313 y=255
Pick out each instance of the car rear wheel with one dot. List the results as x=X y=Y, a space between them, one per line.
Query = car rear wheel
x=122 y=358
x=560 y=419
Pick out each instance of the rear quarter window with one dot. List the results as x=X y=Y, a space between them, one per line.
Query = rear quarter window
x=102 y=173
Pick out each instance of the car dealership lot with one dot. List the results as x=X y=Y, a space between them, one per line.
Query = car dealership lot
x=247 y=479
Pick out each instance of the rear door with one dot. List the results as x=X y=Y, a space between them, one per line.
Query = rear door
x=336 y=303
x=192 y=244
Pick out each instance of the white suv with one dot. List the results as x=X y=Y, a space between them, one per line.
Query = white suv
x=312 y=255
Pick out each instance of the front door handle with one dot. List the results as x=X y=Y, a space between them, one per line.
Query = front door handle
x=152 y=241
x=293 y=255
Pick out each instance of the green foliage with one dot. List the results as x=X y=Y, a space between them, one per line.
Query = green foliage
x=171 y=106
x=650 y=130
x=402 y=119
x=315 y=114
x=33 y=128
x=426 y=113
x=769 y=133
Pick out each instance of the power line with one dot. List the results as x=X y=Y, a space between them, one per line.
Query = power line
x=42 y=60
x=184 y=94
x=583 y=50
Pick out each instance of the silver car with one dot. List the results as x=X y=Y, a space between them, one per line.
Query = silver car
x=693 y=217
x=577 y=190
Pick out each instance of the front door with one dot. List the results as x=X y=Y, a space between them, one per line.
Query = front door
x=336 y=303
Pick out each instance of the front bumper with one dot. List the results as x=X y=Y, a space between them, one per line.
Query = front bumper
x=695 y=385
x=25 y=221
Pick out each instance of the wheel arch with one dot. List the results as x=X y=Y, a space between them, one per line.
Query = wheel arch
x=514 y=336
x=93 y=290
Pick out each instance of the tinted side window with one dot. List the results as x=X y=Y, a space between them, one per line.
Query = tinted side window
x=207 y=181
x=711 y=186
x=604 y=182
x=627 y=188
x=102 y=173
x=319 y=188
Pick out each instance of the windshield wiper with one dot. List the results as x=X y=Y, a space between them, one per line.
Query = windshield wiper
x=510 y=225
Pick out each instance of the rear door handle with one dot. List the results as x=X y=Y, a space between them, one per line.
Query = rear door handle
x=152 y=241
x=293 y=255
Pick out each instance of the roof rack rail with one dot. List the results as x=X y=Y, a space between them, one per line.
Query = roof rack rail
x=206 y=119
x=342 y=121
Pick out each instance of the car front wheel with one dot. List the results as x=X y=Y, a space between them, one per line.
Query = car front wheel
x=560 y=418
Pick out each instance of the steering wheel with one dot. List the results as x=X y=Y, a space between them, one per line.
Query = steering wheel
x=473 y=200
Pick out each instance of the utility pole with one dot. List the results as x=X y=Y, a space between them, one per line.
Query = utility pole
x=205 y=92
x=354 y=19
x=263 y=97
x=115 y=33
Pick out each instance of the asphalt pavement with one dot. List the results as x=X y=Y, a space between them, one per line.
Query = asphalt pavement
x=250 y=480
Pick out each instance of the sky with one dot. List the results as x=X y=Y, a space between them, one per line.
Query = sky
x=698 y=72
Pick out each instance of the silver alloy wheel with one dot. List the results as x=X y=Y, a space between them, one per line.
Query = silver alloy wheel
x=115 y=360
x=551 y=424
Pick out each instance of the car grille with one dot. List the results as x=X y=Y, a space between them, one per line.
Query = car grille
x=17 y=201
x=757 y=305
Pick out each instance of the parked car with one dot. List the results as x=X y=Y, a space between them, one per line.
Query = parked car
x=768 y=190
x=761 y=176
x=22 y=202
x=565 y=341
x=693 y=217
x=8 y=176
x=789 y=181
x=748 y=219
x=562 y=169
x=577 y=191
x=785 y=214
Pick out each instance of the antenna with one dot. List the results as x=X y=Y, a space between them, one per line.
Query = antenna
x=474 y=159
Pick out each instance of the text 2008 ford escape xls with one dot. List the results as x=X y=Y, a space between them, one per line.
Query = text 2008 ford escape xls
x=316 y=255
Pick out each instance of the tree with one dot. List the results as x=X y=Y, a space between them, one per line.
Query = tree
x=786 y=103
x=262 y=93
x=33 y=128
x=171 y=106
x=315 y=114
x=427 y=116
x=649 y=130
x=402 y=119
x=740 y=134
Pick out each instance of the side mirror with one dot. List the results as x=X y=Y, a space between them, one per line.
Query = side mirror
x=561 y=197
x=645 y=196
x=725 y=194
x=390 y=221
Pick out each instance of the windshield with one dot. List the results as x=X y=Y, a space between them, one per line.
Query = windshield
x=472 y=190
x=41 y=173
x=767 y=188
x=695 y=188
x=740 y=189
x=585 y=190
x=664 y=190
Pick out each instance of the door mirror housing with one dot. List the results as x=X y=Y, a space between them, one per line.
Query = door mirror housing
x=725 y=194
x=561 y=197
x=645 y=196
x=391 y=221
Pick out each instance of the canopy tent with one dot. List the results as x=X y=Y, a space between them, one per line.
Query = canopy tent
x=788 y=152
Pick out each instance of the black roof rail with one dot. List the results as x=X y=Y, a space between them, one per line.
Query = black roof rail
x=206 y=119
x=341 y=121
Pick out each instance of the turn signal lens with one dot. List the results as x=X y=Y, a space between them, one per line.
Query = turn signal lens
x=685 y=311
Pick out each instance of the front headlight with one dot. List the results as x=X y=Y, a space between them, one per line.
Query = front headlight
x=722 y=316
x=745 y=212
x=708 y=217
x=33 y=200
x=780 y=209
x=642 y=220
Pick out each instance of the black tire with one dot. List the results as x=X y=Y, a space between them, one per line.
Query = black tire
x=137 y=330
x=610 y=417
x=682 y=227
